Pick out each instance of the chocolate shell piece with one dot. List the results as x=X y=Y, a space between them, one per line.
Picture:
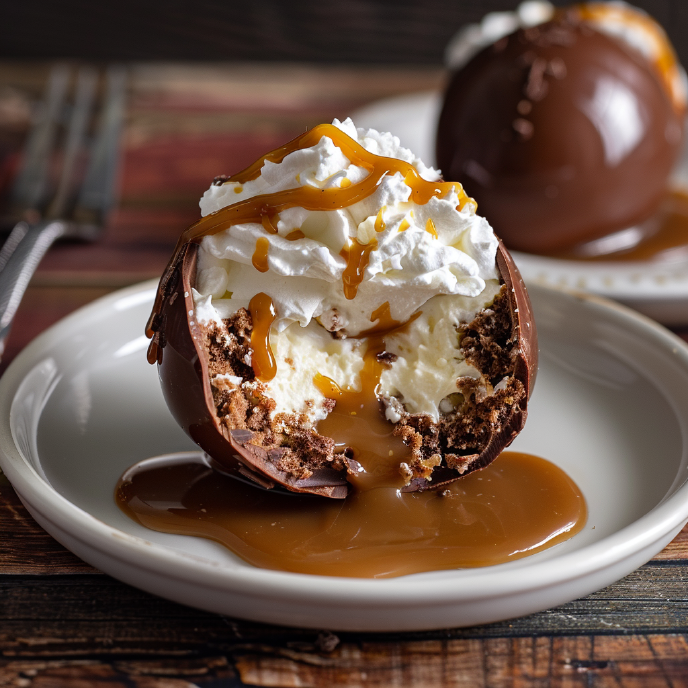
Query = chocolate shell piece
x=184 y=374
x=561 y=134
x=183 y=370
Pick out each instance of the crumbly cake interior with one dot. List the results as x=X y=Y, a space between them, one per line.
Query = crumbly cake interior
x=477 y=410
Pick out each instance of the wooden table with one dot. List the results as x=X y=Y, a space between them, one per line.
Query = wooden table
x=63 y=623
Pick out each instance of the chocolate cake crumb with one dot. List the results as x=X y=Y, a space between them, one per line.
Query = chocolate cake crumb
x=386 y=357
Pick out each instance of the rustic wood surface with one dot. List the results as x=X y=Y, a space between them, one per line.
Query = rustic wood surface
x=63 y=623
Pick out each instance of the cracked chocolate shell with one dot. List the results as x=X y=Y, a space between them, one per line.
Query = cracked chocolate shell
x=237 y=429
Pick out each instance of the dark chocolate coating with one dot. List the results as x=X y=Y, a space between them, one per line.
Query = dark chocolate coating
x=561 y=134
x=183 y=370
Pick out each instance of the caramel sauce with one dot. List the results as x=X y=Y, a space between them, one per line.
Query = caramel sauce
x=379 y=221
x=519 y=505
x=384 y=322
x=662 y=237
x=263 y=315
x=357 y=423
x=260 y=256
x=405 y=224
x=327 y=386
x=264 y=208
x=295 y=235
x=430 y=228
x=269 y=223
x=356 y=256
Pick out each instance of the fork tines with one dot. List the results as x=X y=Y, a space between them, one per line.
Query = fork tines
x=70 y=160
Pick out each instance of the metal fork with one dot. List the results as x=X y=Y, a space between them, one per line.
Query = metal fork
x=48 y=216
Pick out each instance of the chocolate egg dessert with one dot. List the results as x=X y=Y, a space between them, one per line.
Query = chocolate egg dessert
x=341 y=316
x=564 y=124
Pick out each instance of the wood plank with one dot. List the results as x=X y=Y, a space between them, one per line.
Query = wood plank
x=678 y=548
x=124 y=673
x=524 y=662
x=571 y=662
x=25 y=547
x=567 y=662
x=88 y=610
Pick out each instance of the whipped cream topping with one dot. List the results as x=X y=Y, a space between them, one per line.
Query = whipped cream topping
x=418 y=251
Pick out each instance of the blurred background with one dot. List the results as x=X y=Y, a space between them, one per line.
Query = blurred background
x=389 y=32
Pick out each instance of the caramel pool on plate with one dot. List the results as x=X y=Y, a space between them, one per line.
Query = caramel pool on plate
x=519 y=505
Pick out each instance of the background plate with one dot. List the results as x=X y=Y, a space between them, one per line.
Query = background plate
x=657 y=290
x=610 y=407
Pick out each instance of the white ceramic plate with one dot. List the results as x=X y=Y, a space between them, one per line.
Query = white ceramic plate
x=659 y=291
x=81 y=404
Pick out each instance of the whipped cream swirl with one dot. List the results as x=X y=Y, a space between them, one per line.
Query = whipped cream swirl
x=419 y=251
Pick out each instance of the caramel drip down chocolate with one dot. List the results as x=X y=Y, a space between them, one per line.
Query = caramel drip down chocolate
x=263 y=315
x=519 y=505
x=263 y=209
x=664 y=60
x=530 y=125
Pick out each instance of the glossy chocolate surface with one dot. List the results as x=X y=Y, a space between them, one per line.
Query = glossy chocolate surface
x=183 y=370
x=561 y=134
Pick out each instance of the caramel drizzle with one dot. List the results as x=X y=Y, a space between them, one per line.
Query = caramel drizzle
x=379 y=220
x=262 y=315
x=384 y=322
x=327 y=386
x=356 y=423
x=269 y=223
x=356 y=416
x=263 y=209
x=260 y=256
x=357 y=256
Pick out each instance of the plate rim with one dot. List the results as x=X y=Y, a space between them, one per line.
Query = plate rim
x=477 y=584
